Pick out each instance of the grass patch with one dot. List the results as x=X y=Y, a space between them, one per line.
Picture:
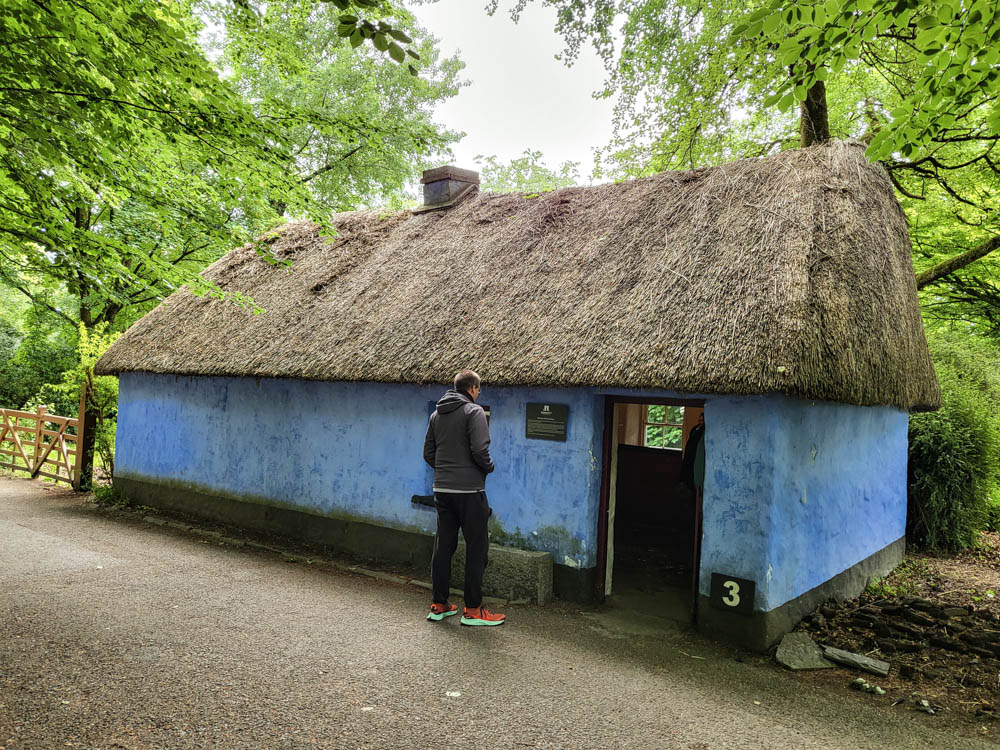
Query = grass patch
x=110 y=496
x=904 y=581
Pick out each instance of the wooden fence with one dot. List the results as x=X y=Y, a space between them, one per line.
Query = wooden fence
x=42 y=444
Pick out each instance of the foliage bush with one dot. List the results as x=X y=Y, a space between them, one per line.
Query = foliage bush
x=36 y=354
x=110 y=496
x=993 y=513
x=102 y=392
x=954 y=453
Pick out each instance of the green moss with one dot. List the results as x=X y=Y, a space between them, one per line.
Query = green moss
x=196 y=491
x=552 y=539
x=901 y=582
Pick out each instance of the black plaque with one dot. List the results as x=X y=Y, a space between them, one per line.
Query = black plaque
x=732 y=594
x=546 y=421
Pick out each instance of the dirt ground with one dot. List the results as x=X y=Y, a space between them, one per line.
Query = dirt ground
x=911 y=619
x=125 y=628
x=936 y=620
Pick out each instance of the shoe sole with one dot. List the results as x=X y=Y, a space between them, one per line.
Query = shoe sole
x=438 y=618
x=474 y=622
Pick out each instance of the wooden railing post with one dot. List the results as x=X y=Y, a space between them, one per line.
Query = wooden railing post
x=37 y=448
x=85 y=444
x=16 y=430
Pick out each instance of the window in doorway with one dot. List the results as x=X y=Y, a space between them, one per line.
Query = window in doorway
x=662 y=426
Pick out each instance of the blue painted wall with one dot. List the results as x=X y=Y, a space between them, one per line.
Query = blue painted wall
x=355 y=450
x=797 y=492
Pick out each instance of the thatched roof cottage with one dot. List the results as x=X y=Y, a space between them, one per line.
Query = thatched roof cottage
x=774 y=296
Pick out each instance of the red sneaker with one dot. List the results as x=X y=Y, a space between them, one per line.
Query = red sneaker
x=440 y=611
x=482 y=616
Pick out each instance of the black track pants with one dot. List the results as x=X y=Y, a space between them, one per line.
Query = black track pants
x=469 y=511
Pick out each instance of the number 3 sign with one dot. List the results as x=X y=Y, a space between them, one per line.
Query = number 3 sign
x=732 y=594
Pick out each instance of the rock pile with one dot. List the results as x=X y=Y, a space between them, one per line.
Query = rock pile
x=915 y=625
x=922 y=638
x=939 y=657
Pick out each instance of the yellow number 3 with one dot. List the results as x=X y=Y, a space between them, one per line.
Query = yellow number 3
x=733 y=600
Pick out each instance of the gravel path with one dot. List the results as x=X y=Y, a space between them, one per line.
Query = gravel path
x=115 y=633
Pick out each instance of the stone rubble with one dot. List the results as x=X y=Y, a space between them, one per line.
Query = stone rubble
x=798 y=651
x=917 y=625
x=849 y=659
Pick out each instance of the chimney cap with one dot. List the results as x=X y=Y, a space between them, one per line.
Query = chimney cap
x=449 y=173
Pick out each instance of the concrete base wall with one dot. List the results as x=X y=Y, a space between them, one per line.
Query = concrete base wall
x=576 y=584
x=515 y=574
x=760 y=630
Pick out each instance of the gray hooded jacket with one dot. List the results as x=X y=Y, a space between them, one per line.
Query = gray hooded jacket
x=457 y=444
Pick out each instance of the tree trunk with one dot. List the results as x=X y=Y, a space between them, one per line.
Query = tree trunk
x=814 y=121
x=83 y=291
x=85 y=481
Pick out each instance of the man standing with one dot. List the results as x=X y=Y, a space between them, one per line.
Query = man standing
x=457 y=446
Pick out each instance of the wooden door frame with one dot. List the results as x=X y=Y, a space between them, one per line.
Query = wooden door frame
x=604 y=506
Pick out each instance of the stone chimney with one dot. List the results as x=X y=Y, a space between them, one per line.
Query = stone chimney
x=446 y=186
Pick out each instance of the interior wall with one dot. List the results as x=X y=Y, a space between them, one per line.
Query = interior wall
x=645 y=478
x=629 y=421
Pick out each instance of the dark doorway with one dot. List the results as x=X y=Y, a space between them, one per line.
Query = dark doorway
x=652 y=520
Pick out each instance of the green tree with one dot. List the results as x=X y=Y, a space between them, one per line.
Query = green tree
x=63 y=397
x=703 y=82
x=683 y=98
x=31 y=355
x=127 y=163
x=936 y=132
x=949 y=48
x=358 y=124
x=104 y=104
x=33 y=350
x=525 y=174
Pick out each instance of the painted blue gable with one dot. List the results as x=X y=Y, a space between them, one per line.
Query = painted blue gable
x=797 y=492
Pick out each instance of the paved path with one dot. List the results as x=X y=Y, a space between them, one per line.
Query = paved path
x=116 y=633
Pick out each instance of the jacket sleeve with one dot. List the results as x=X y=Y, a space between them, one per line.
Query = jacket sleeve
x=430 y=446
x=479 y=439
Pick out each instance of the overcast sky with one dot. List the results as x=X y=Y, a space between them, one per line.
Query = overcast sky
x=519 y=96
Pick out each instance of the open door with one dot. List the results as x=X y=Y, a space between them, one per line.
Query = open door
x=651 y=514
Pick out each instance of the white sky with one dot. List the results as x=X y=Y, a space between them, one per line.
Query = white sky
x=519 y=96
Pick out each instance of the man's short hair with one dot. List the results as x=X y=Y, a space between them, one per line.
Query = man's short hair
x=466 y=380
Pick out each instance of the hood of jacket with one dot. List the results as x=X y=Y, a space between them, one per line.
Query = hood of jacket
x=453 y=400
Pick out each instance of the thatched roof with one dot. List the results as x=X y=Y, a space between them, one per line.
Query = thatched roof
x=787 y=274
